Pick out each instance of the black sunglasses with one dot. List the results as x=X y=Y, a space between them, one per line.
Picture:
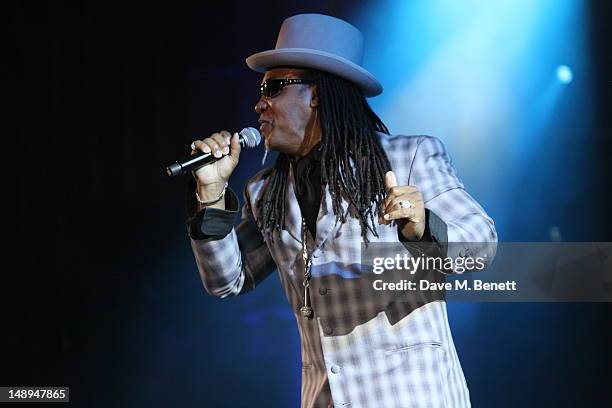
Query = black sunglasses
x=273 y=86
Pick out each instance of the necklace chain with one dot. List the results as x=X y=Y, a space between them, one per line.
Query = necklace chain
x=306 y=309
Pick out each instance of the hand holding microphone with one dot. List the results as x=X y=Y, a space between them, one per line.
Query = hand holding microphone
x=212 y=162
x=226 y=149
x=212 y=179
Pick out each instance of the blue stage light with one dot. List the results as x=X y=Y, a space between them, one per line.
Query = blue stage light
x=564 y=74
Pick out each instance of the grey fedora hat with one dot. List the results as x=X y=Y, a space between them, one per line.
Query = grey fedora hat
x=321 y=42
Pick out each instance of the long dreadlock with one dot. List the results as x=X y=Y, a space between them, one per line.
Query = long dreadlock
x=353 y=162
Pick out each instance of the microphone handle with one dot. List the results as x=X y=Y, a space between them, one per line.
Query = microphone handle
x=193 y=162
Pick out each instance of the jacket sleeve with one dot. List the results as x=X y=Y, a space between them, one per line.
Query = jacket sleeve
x=470 y=232
x=231 y=261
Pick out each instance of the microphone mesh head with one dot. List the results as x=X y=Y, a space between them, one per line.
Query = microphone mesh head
x=251 y=137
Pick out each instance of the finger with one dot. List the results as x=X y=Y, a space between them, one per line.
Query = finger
x=399 y=193
x=382 y=221
x=200 y=147
x=203 y=146
x=414 y=198
x=381 y=215
x=235 y=147
x=214 y=147
x=409 y=214
x=219 y=138
x=222 y=142
x=390 y=180
x=392 y=191
x=227 y=136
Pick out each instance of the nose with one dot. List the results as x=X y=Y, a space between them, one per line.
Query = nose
x=261 y=105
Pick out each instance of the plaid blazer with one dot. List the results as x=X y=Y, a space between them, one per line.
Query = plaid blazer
x=360 y=349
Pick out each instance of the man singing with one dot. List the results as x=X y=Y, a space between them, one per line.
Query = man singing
x=340 y=180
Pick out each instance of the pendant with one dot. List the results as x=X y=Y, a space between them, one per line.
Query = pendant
x=306 y=311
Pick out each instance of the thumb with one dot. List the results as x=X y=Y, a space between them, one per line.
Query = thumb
x=235 y=147
x=390 y=180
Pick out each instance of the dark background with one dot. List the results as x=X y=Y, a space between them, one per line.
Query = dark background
x=104 y=296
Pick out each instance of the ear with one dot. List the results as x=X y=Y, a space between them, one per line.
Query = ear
x=314 y=99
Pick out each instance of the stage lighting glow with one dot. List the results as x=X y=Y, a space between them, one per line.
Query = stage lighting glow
x=489 y=78
x=564 y=74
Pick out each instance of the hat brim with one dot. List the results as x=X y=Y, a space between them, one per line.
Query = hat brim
x=308 y=58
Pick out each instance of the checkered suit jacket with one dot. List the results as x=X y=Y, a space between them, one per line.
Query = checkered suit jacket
x=360 y=349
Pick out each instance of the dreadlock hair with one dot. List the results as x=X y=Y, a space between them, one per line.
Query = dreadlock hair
x=353 y=162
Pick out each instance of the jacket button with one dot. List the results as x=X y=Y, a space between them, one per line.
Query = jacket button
x=335 y=369
x=328 y=330
x=322 y=291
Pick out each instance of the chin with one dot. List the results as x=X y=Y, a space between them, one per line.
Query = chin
x=267 y=136
x=270 y=143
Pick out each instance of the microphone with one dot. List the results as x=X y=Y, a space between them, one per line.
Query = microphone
x=248 y=137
